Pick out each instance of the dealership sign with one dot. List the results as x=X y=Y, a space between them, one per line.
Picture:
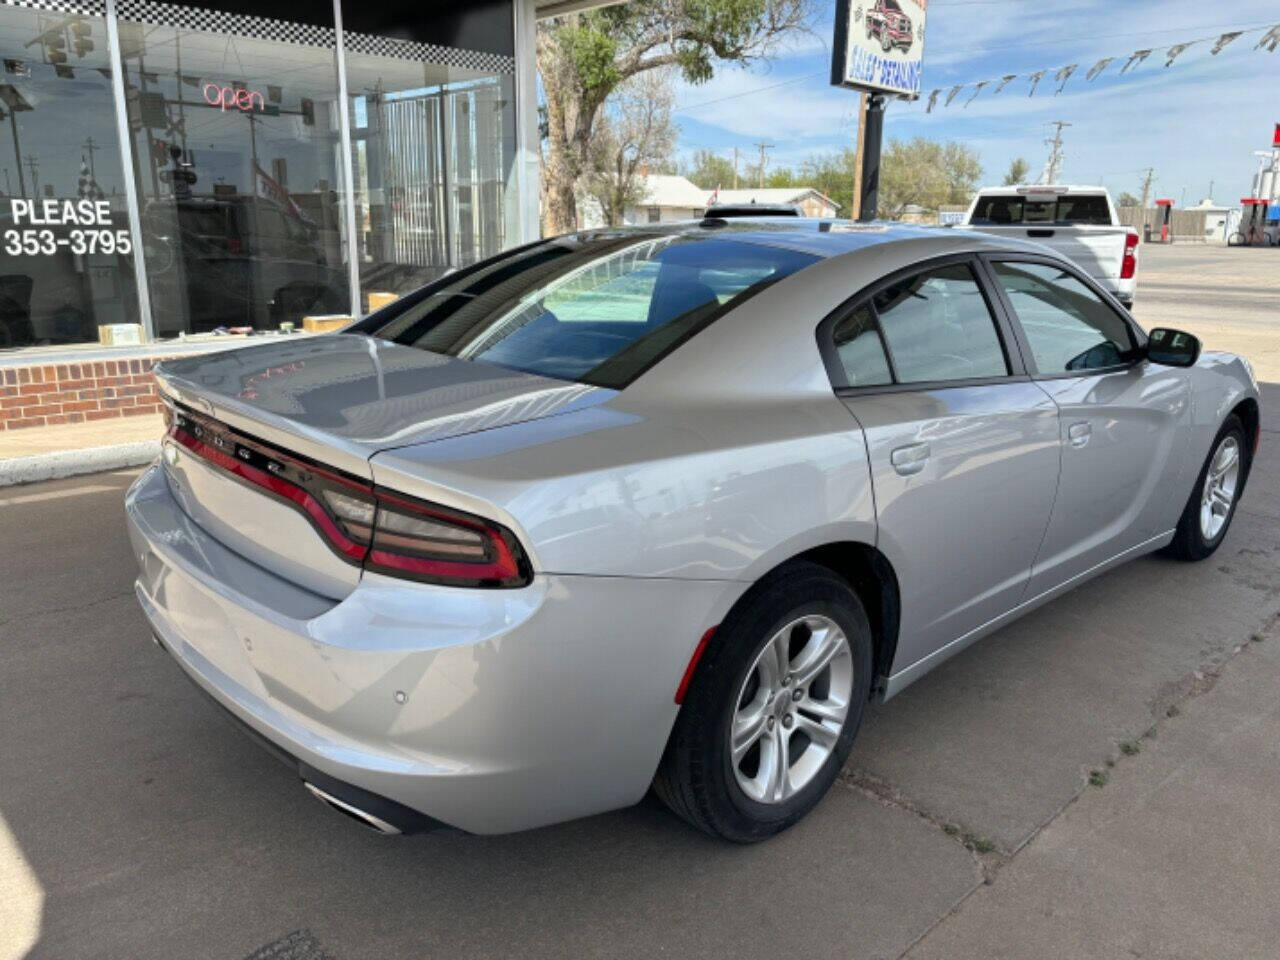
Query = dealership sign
x=879 y=45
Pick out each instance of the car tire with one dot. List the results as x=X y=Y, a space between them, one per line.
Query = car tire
x=886 y=41
x=1197 y=535
x=791 y=612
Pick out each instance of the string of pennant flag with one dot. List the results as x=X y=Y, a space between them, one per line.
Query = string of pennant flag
x=1269 y=42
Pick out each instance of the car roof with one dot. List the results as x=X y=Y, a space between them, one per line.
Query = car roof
x=822 y=238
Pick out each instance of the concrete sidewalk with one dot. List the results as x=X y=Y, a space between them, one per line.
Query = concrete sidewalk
x=48 y=453
x=1173 y=852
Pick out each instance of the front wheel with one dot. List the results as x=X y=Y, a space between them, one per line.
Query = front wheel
x=774 y=707
x=1212 y=504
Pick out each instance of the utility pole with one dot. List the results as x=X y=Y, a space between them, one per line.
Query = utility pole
x=735 y=168
x=92 y=146
x=855 y=211
x=1054 y=167
x=1146 y=187
x=33 y=164
x=764 y=159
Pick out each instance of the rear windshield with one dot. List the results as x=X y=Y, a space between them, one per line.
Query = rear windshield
x=1084 y=208
x=598 y=310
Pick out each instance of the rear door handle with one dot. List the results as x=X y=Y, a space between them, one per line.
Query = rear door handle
x=910 y=459
x=1078 y=433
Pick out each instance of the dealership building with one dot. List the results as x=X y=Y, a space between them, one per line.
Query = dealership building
x=247 y=165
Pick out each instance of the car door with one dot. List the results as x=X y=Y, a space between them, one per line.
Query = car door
x=963 y=447
x=1124 y=420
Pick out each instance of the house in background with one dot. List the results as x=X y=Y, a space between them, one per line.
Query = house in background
x=811 y=202
x=665 y=199
x=669 y=199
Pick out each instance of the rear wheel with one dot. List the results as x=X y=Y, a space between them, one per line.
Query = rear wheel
x=773 y=709
x=1212 y=504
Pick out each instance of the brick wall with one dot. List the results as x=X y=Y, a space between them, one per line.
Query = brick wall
x=52 y=394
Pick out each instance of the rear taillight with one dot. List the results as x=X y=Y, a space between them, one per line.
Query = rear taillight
x=1129 y=265
x=375 y=528
x=427 y=541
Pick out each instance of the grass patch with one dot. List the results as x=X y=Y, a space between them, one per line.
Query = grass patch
x=1097 y=778
x=970 y=839
x=1130 y=748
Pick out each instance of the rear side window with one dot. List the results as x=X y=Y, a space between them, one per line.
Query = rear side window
x=1068 y=209
x=1068 y=326
x=861 y=353
x=938 y=326
x=598 y=310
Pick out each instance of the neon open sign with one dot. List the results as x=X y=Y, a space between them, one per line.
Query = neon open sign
x=232 y=98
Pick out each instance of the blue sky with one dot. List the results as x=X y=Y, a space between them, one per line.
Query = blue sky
x=1195 y=122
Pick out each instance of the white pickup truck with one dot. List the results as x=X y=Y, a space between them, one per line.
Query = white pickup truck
x=1078 y=222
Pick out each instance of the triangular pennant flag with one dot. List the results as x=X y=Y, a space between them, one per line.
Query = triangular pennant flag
x=1176 y=51
x=1223 y=40
x=1062 y=76
x=1135 y=58
x=1098 y=67
x=977 y=89
x=1004 y=82
x=951 y=94
x=933 y=99
x=1270 y=40
x=1035 y=81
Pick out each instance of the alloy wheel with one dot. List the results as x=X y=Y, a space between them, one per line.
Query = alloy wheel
x=791 y=709
x=1221 y=482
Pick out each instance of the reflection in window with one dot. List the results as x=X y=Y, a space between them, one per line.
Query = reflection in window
x=235 y=146
x=598 y=311
x=60 y=282
x=861 y=353
x=1068 y=326
x=939 y=327
x=434 y=151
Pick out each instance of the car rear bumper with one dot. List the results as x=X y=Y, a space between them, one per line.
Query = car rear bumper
x=486 y=710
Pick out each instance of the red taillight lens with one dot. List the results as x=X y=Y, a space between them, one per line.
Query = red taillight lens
x=1129 y=265
x=382 y=531
x=426 y=541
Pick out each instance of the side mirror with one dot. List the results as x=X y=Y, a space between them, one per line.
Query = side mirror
x=1173 y=348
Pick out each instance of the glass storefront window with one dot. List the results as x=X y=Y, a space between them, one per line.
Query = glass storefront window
x=236 y=158
x=237 y=161
x=434 y=158
x=65 y=253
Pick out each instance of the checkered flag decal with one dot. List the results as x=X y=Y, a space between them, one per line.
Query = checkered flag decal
x=428 y=52
x=216 y=21
x=88 y=8
x=284 y=31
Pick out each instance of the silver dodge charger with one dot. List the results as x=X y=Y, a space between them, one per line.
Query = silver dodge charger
x=662 y=507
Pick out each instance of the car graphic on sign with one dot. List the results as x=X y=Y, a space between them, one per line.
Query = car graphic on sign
x=886 y=22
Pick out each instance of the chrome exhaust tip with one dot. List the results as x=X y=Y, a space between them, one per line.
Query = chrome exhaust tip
x=355 y=813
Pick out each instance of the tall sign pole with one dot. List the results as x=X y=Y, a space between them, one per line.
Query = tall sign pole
x=878 y=49
x=856 y=212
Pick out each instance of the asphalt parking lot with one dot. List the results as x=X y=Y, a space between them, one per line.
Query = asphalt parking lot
x=135 y=822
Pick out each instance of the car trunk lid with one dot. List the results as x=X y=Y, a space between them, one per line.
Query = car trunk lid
x=329 y=404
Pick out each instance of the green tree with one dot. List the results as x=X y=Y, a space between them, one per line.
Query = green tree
x=1127 y=199
x=927 y=174
x=710 y=170
x=583 y=57
x=1019 y=170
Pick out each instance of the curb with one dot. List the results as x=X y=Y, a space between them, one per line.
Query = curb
x=71 y=463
